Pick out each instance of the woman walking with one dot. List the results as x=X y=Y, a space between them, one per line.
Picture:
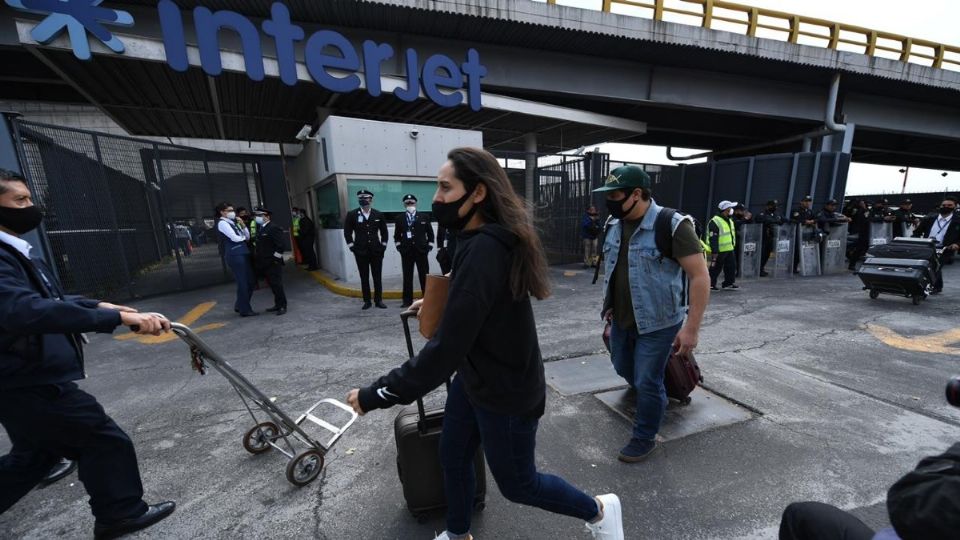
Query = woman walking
x=488 y=337
x=234 y=235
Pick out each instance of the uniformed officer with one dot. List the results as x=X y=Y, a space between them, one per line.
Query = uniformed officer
x=770 y=219
x=723 y=242
x=805 y=219
x=904 y=218
x=859 y=226
x=306 y=240
x=829 y=217
x=365 y=231
x=43 y=411
x=268 y=257
x=741 y=216
x=413 y=236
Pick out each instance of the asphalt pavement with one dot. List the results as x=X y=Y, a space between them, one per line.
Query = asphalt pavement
x=847 y=395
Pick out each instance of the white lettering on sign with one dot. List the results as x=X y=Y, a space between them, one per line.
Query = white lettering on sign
x=878 y=241
x=833 y=243
x=783 y=246
x=749 y=247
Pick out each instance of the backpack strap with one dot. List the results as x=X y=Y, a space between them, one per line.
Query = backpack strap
x=663 y=232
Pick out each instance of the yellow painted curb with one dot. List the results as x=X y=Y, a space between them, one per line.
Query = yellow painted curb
x=338 y=287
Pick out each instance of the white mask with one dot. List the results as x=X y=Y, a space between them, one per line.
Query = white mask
x=259 y=220
x=231 y=215
x=412 y=209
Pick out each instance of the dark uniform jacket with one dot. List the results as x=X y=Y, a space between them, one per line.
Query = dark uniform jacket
x=904 y=218
x=362 y=236
x=952 y=236
x=307 y=228
x=769 y=220
x=421 y=240
x=801 y=214
x=827 y=219
x=40 y=326
x=879 y=214
x=270 y=240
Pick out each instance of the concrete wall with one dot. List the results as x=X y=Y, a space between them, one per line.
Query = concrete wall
x=336 y=259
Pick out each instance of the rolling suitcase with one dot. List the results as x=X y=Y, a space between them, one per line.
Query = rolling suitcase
x=681 y=377
x=417 y=433
x=902 y=277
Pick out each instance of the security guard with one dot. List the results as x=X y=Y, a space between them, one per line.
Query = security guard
x=307 y=240
x=805 y=219
x=361 y=230
x=723 y=241
x=904 y=217
x=268 y=257
x=413 y=236
x=859 y=225
x=829 y=217
x=43 y=411
x=770 y=219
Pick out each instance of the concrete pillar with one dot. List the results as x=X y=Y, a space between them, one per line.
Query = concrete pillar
x=530 y=150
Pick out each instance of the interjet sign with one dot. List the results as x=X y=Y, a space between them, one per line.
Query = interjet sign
x=331 y=59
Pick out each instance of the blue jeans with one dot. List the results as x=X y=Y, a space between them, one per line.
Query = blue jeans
x=641 y=360
x=508 y=444
x=243 y=273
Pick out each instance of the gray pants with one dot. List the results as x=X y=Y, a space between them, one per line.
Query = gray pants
x=589 y=251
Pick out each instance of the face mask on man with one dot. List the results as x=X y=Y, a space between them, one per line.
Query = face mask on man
x=364 y=202
x=20 y=220
x=616 y=208
x=947 y=210
x=231 y=216
x=412 y=209
x=259 y=220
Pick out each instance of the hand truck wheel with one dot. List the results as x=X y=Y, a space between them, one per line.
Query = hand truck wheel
x=874 y=294
x=257 y=439
x=304 y=468
x=916 y=299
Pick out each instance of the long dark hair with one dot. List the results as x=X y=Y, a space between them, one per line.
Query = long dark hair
x=218 y=209
x=528 y=275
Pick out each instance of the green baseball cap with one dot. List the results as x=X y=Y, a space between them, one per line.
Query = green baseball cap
x=625 y=177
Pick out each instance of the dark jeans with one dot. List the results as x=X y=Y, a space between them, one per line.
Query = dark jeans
x=508 y=444
x=308 y=251
x=818 y=521
x=641 y=360
x=367 y=265
x=274 y=274
x=47 y=422
x=727 y=263
x=423 y=267
x=243 y=273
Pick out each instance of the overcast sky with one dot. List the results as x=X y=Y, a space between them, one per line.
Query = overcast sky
x=936 y=20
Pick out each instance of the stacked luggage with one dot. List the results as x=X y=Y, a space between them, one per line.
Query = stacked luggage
x=904 y=267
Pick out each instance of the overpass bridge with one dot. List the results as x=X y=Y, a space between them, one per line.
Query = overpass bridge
x=568 y=77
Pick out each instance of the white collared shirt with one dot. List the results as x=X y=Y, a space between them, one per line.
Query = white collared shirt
x=226 y=227
x=364 y=214
x=939 y=228
x=16 y=243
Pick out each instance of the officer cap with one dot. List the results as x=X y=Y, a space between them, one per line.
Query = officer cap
x=726 y=205
x=625 y=177
x=364 y=193
x=807 y=198
x=773 y=202
x=905 y=201
x=409 y=197
x=262 y=210
x=831 y=201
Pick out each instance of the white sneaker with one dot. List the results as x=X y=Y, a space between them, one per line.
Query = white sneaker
x=611 y=526
x=446 y=536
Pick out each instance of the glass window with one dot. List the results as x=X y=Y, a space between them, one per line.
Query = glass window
x=328 y=206
x=388 y=194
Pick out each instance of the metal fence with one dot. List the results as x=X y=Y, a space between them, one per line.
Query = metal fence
x=128 y=218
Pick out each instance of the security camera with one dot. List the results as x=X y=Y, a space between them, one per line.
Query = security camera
x=414 y=133
x=304 y=132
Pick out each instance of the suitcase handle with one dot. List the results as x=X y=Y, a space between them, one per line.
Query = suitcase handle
x=421 y=412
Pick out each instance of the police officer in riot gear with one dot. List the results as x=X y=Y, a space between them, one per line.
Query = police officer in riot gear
x=859 y=225
x=365 y=231
x=803 y=216
x=770 y=219
x=829 y=217
x=904 y=217
x=413 y=236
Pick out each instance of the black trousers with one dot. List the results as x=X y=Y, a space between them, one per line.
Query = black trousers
x=47 y=422
x=818 y=521
x=274 y=275
x=727 y=263
x=367 y=265
x=308 y=251
x=423 y=267
x=765 y=252
x=946 y=258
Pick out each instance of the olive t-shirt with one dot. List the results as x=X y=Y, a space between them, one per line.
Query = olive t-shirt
x=685 y=243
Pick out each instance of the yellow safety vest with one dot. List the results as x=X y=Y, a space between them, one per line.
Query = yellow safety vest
x=253 y=230
x=727 y=238
x=296 y=226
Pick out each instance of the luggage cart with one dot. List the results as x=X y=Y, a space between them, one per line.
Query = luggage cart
x=280 y=431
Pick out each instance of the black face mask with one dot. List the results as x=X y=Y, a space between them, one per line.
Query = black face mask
x=447 y=214
x=946 y=210
x=616 y=208
x=20 y=220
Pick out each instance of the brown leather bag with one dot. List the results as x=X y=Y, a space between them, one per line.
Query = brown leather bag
x=434 y=302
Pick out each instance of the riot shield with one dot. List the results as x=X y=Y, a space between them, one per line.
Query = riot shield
x=809 y=242
x=784 y=237
x=834 y=250
x=750 y=237
x=881 y=233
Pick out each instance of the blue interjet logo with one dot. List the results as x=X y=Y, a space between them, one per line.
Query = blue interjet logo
x=77 y=17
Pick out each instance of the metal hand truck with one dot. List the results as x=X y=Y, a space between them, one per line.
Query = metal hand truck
x=280 y=432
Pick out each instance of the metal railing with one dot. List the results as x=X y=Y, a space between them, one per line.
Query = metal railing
x=830 y=34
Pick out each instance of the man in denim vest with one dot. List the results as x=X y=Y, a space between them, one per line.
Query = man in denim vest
x=643 y=298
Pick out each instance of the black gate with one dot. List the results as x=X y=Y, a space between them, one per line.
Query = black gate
x=127 y=218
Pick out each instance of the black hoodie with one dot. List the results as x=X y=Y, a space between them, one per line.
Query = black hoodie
x=485 y=335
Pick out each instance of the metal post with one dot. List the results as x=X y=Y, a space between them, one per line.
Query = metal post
x=713 y=170
x=530 y=159
x=163 y=217
x=793 y=182
x=107 y=195
x=836 y=169
x=683 y=177
x=816 y=176
x=747 y=196
x=216 y=219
